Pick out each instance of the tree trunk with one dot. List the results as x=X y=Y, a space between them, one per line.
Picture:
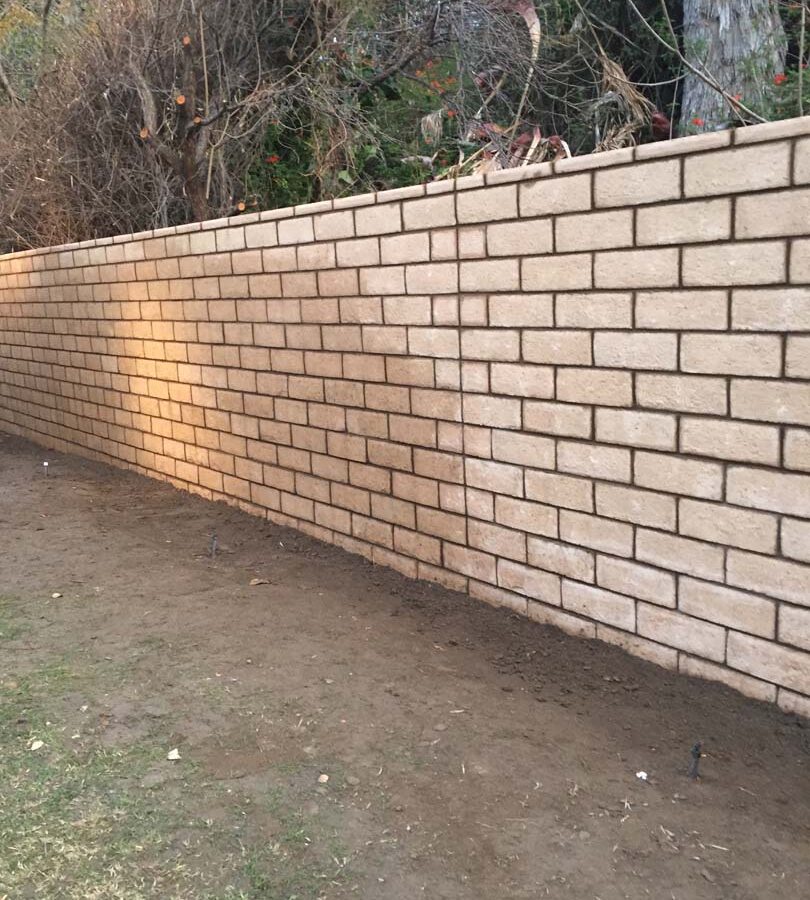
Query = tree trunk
x=742 y=44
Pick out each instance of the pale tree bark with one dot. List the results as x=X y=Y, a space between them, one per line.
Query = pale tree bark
x=741 y=44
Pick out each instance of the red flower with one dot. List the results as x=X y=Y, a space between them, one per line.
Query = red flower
x=272 y=160
x=697 y=121
x=779 y=78
x=451 y=114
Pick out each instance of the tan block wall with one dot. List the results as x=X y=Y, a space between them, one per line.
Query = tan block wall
x=580 y=390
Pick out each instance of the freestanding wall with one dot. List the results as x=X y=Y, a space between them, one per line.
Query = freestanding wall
x=579 y=390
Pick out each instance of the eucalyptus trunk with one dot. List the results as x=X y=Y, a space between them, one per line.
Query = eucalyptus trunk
x=739 y=43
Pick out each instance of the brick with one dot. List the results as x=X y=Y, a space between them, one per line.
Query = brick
x=338 y=283
x=797 y=449
x=522 y=381
x=519 y=238
x=642 y=582
x=594 y=460
x=594 y=311
x=682 y=393
x=683 y=223
x=736 y=170
x=443 y=244
x=800 y=262
x=594 y=231
x=331 y=226
x=727 y=525
x=499 y=598
x=521 y=310
x=599 y=386
x=279 y=259
x=695 y=310
x=772 y=401
x=769 y=661
x=777 y=491
x=444 y=466
x=390 y=509
x=560 y=490
x=603 y=606
x=636 y=268
x=684 y=632
x=640 y=183
x=488 y=204
x=571 y=272
x=727 y=439
x=562 y=559
x=503 y=542
x=295 y=231
x=555 y=195
x=469 y=562
x=530 y=582
x=793 y=703
x=557 y=347
x=596 y=533
x=405 y=248
x=774 y=577
x=644 y=649
x=489 y=275
x=794 y=627
x=557 y=418
x=432 y=278
x=360 y=309
x=732 y=354
x=750 y=687
x=388 y=280
x=441 y=524
x=379 y=219
x=437 y=342
x=411 y=543
x=797 y=357
x=432 y=212
x=773 y=214
x=316 y=256
x=490 y=344
x=665 y=472
x=637 y=429
x=680 y=554
x=570 y=624
x=472 y=242
x=522 y=449
x=635 y=350
x=632 y=505
x=801 y=162
x=407 y=310
x=499 y=412
x=725 y=606
x=796 y=539
x=264 y=234
x=372 y=531
x=494 y=476
x=363 y=252
x=739 y=263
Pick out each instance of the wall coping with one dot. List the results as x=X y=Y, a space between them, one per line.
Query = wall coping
x=692 y=144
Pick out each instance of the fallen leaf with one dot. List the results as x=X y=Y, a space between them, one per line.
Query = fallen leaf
x=255 y=581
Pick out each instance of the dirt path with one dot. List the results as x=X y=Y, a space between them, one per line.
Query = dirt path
x=469 y=753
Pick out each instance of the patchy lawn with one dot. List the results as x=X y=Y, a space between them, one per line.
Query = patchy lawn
x=469 y=754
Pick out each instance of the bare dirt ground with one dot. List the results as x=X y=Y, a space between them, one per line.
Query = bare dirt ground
x=469 y=753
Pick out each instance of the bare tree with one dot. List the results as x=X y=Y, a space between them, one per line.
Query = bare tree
x=742 y=45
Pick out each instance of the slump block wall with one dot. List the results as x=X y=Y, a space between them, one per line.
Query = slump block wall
x=580 y=390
